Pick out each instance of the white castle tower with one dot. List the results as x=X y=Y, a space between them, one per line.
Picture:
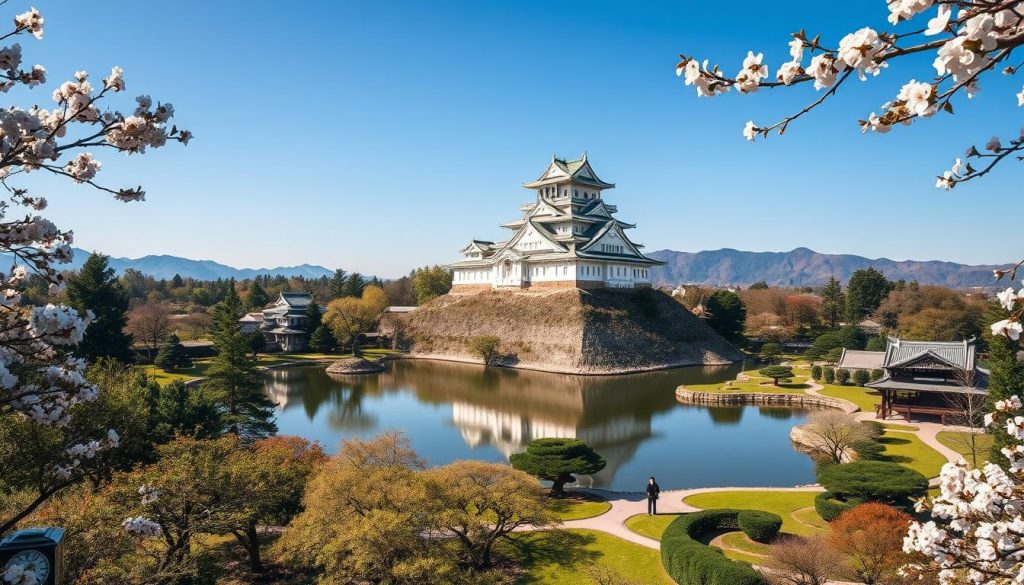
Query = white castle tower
x=567 y=238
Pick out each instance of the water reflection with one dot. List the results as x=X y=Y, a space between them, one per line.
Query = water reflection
x=454 y=411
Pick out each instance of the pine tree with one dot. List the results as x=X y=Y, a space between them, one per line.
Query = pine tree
x=865 y=291
x=177 y=281
x=172 y=355
x=833 y=303
x=95 y=289
x=321 y=340
x=354 y=285
x=313 y=318
x=336 y=287
x=233 y=378
x=257 y=297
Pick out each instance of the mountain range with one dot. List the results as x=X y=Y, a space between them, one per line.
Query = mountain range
x=164 y=266
x=804 y=267
x=799 y=267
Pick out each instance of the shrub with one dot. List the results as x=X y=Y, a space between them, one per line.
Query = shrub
x=770 y=351
x=829 y=508
x=689 y=562
x=829 y=375
x=816 y=372
x=861 y=377
x=873 y=481
x=871 y=536
x=758 y=525
x=556 y=460
x=485 y=347
x=876 y=374
x=842 y=375
x=875 y=428
x=869 y=450
x=834 y=355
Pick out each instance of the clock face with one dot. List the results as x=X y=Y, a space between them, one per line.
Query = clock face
x=30 y=560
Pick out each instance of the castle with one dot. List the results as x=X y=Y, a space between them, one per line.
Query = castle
x=567 y=238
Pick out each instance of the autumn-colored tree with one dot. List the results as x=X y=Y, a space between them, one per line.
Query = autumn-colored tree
x=769 y=327
x=348 y=317
x=803 y=310
x=871 y=538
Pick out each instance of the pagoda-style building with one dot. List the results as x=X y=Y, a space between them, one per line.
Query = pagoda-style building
x=567 y=238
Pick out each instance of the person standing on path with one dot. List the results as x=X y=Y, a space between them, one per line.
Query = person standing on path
x=652 y=496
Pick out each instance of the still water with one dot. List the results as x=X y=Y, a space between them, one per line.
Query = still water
x=456 y=411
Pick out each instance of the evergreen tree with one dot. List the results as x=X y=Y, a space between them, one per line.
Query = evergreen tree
x=313 y=318
x=1006 y=378
x=336 y=287
x=178 y=410
x=172 y=355
x=177 y=281
x=233 y=378
x=95 y=289
x=354 y=285
x=726 y=315
x=864 y=293
x=322 y=340
x=833 y=303
x=257 y=297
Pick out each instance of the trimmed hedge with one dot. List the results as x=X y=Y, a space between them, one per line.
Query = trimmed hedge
x=758 y=525
x=861 y=377
x=842 y=376
x=869 y=450
x=816 y=372
x=874 y=481
x=829 y=375
x=830 y=508
x=689 y=562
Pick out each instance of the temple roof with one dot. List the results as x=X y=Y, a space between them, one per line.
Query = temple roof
x=561 y=170
x=902 y=352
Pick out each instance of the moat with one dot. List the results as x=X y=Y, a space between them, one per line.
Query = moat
x=456 y=411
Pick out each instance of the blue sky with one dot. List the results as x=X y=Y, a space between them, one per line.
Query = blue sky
x=380 y=136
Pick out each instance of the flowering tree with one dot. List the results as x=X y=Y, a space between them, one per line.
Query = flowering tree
x=975 y=41
x=40 y=381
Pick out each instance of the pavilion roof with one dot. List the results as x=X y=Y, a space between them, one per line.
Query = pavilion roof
x=901 y=352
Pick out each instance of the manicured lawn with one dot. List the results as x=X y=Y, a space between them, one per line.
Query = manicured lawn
x=897 y=427
x=199 y=366
x=757 y=383
x=578 y=509
x=563 y=558
x=906 y=449
x=783 y=503
x=650 y=526
x=958 y=442
x=865 y=398
x=197 y=370
x=740 y=541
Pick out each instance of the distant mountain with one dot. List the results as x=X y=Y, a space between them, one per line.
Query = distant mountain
x=804 y=267
x=164 y=266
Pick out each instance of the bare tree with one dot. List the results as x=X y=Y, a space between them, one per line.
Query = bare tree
x=802 y=561
x=969 y=417
x=833 y=433
x=196 y=324
x=150 y=323
x=603 y=575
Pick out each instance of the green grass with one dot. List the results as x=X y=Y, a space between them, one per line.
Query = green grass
x=578 y=509
x=865 y=398
x=796 y=386
x=956 y=441
x=910 y=451
x=563 y=557
x=896 y=427
x=197 y=370
x=200 y=365
x=783 y=503
x=650 y=526
x=742 y=542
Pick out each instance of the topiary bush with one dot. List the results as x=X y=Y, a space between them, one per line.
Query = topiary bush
x=876 y=374
x=816 y=372
x=868 y=450
x=759 y=526
x=689 y=562
x=861 y=377
x=829 y=375
x=830 y=508
x=842 y=375
x=873 y=481
x=874 y=428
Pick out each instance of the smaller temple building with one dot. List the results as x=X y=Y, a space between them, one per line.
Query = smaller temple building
x=933 y=378
x=283 y=322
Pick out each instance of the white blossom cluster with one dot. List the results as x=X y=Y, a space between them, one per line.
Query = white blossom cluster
x=20 y=574
x=37 y=380
x=979 y=536
x=973 y=36
x=141 y=527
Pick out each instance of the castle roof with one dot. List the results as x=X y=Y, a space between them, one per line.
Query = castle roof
x=562 y=170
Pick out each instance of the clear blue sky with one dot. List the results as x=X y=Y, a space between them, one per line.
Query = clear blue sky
x=379 y=136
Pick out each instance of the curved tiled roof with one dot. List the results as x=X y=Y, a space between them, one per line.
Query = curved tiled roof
x=958 y=354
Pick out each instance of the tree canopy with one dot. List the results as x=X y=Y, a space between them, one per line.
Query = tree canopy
x=94 y=288
x=726 y=315
x=558 y=460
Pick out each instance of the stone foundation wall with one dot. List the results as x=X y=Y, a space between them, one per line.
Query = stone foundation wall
x=769 y=398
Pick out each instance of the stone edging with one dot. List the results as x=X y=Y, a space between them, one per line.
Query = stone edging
x=771 y=398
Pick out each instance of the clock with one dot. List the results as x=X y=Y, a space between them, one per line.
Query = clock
x=30 y=560
x=38 y=551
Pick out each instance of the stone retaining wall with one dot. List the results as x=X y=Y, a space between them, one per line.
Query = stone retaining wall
x=769 y=398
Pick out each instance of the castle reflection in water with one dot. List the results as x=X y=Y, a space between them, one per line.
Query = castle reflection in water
x=496 y=412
